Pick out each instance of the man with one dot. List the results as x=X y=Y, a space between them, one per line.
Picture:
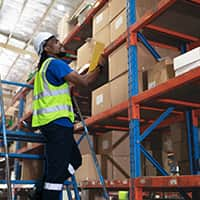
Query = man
x=53 y=112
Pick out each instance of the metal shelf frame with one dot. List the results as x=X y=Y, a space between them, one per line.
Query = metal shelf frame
x=136 y=136
x=159 y=98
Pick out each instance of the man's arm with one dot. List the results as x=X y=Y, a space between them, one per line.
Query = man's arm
x=82 y=80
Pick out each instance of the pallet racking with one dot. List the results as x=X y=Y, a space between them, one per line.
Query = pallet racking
x=176 y=100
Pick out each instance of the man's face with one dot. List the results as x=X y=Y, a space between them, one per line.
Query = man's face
x=53 y=47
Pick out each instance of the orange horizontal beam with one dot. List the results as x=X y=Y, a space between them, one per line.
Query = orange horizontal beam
x=171 y=32
x=196 y=1
x=191 y=181
x=109 y=184
x=194 y=44
x=161 y=45
x=116 y=43
x=158 y=109
x=120 y=118
x=171 y=84
x=180 y=103
x=104 y=115
x=162 y=6
x=119 y=128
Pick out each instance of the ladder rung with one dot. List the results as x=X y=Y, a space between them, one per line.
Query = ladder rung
x=20 y=181
x=23 y=155
x=25 y=135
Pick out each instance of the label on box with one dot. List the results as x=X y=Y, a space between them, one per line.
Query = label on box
x=152 y=84
x=99 y=99
x=99 y=18
x=119 y=22
x=105 y=144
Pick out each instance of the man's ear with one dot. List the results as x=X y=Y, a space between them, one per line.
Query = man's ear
x=46 y=48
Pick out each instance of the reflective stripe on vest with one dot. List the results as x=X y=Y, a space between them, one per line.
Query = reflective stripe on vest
x=49 y=93
x=50 y=102
x=52 y=109
x=53 y=186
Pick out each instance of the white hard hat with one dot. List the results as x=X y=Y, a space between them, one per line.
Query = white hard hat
x=39 y=41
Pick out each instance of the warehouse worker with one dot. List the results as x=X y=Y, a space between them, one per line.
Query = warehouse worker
x=53 y=112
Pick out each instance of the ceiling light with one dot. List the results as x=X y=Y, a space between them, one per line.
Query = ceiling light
x=60 y=7
x=27 y=56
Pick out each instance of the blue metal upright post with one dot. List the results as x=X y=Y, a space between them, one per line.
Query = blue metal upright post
x=134 y=125
x=20 y=114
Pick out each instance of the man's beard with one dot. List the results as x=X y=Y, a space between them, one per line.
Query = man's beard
x=61 y=54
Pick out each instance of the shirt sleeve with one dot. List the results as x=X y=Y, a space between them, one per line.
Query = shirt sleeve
x=56 y=71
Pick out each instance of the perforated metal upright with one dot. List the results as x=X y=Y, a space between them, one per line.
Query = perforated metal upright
x=134 y=125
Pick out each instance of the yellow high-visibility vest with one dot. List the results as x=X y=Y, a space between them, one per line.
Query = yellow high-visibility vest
x=50 y=102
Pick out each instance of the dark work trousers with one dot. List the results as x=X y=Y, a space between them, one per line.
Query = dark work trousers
x=61 y=149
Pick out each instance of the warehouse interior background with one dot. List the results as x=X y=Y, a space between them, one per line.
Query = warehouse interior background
x=20 y=21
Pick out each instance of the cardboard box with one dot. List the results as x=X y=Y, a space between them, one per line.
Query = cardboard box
x=118 y=26
x=94 y=194
x=124 y=163
x=118 y=62
x=87 y=171
x=100 y=20
x=32 y=169
x=181 y=151
x=64 y=28
x=106 y=141
x=73 y=64
x=149 y=169
x=123 y=148
x=178 y=132
x=184 y=167
x=143 y=6
x=160 y=73
x=116 y=7
x=103 y=35
x=101 y=100
x=84 y=53
x=119 y=89
x=84 y=146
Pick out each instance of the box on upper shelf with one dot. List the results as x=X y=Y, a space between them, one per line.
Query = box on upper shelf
x=64 y=27
x=187 y=61
x=103 y=35
x=160 y=73
x=100 y=20
x=118 y=26
x=84 y=58
x=101 y=99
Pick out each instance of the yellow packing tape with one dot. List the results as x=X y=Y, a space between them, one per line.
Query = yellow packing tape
x=98 y=50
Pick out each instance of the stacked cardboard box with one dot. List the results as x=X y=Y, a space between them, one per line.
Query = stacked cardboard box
x=160 y=73
x=115 y=154
x=64 y=27
x=87 y=171
x=32 y=170
x=175 y=148
x=101 y=29
x=115 y=91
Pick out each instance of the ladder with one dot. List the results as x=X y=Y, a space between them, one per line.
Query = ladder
x=34 y=137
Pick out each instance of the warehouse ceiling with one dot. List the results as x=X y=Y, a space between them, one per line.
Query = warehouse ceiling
x=20 y=21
